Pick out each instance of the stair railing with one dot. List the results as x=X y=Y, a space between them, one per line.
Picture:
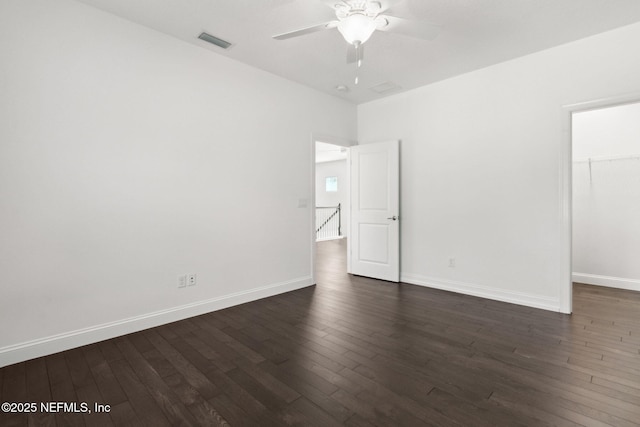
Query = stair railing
x=328 y=222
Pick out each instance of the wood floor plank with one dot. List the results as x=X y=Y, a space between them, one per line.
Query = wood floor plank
x=260 y=348
x=270 y=382
x=357 y=421
x=232 y=413
x=630 y=390
x=540 y=416
x=313 y=414
x=365 y=410
x=38 y=390
x=145 y=408
x=243 y=398
x=159 y=362
x=140 y=341
x=205 y=347
x=14 y=389
x=109 y=350
x=123 y=415
x=236 y=345
x=78 y=368
x=165 y=397
x=406 y=402
x=188 y=362
x=106 y=381
x=90 y=395
x=313 y=387
x=62 y=389
x=467 y=413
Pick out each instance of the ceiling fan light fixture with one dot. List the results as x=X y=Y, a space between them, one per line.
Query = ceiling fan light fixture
x=357 y=28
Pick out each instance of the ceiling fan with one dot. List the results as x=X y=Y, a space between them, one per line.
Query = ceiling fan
x=357 y=20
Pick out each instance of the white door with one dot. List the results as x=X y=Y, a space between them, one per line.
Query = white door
x=375 y=211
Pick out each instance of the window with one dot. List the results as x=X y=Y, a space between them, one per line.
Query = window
x=331 y=183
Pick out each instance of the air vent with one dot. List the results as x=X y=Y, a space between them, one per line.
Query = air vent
x=386 y=87
x=214 y=40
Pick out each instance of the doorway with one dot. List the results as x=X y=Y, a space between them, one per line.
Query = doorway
x=606 y=196
x=331 y=191
x=566 y=172
x=331 y=210
x=372 y=205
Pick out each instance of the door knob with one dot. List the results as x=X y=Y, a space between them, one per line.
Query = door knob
x=393 y=218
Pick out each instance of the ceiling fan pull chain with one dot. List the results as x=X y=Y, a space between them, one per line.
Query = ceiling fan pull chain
x=358 y=59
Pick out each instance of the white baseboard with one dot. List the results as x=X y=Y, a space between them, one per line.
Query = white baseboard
x=529 y=300
x=68 y=340
x=610 y=282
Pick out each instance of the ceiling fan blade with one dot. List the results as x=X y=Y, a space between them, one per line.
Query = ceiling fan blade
x=308 y=30
x=412 y=28
x=354 y=54
x=333 y=3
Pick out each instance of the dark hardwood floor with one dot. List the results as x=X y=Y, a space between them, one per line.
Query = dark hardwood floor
x=357 y=352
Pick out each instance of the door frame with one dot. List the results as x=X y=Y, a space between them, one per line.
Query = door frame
x=566 y=189
x=342 y=142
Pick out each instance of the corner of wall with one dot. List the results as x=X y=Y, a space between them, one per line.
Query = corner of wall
x=607 y=281
x=520 y=298
x=66 y=341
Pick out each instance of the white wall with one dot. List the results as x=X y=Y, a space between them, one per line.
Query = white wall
x=481 y=165
x=336 y=168
x=606 y=132
x=128 y=157
x=606 y=199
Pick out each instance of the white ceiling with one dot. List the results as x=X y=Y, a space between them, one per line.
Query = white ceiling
x=473 y=34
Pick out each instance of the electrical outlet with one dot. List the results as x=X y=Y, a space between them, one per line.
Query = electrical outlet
x=452 y=262
x=191 y=280
x=182 y=281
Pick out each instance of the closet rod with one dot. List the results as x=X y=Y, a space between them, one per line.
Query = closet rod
x=607 y=159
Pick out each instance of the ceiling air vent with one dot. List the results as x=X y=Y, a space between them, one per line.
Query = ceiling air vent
x=214 y=40
x=385 y=87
